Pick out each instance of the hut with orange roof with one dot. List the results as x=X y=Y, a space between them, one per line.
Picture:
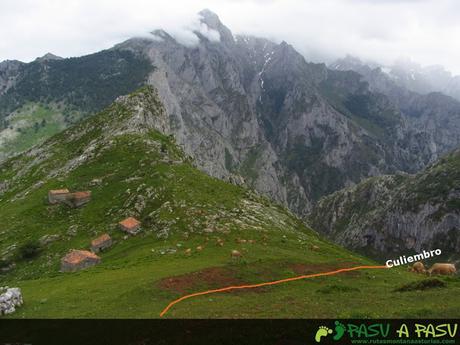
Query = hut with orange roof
x=130 y=225
x=77 y=260
x=101 y=243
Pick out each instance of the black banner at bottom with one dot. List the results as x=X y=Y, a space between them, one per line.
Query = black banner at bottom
x=234 y=332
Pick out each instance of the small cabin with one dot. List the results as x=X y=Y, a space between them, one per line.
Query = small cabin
x=101 y=243
x=77 y=260
x=63 y=196
x=130 y=225
x=78 y=199
x=57 y=196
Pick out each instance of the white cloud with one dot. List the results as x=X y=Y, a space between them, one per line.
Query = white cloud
x=210 y=34
x=382 y=30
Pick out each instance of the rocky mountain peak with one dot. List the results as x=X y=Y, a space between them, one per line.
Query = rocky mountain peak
x=349 y=62
x=162 y=35
x=288 y=57
x=6 y=64
x=210 y=18
x=353 y=63
x=213 y=22
x=48 y=56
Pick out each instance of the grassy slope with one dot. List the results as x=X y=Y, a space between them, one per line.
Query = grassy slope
x=34 y=123
x=176 y=204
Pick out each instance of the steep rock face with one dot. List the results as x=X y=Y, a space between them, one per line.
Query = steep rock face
x=436 y=115
x=211 y=105
x=397 y=213
x=8 y=73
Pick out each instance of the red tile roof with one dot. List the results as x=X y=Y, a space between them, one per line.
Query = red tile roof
x=101 y=239
x=77 y=256
x=130 y=223
x=81 y=195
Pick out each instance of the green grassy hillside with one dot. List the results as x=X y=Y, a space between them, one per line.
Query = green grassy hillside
x=32 y=124
x=133 y=169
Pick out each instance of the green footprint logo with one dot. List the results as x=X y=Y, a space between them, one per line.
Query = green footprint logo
x=322 y=332
x=339 y=330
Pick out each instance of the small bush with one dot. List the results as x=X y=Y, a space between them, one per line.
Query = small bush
x=29 y=250
x=422 y=285
x=5 y=263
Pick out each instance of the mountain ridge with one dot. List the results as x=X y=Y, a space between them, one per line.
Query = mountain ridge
x=409 y=75
x=397 y=213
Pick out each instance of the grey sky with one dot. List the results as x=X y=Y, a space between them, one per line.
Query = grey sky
x=427 y=31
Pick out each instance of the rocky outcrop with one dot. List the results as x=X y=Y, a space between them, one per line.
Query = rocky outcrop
x=397 y=213
x=10 y=299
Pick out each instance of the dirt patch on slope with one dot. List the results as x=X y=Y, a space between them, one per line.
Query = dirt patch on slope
x=222 y=277
x=209 y=278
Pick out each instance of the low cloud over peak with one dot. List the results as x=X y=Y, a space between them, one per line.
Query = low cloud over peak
x=426 y=31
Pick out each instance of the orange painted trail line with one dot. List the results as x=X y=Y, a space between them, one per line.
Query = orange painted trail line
x=228 y=288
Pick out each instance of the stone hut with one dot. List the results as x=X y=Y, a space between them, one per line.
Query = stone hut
x=101 y=243
x=77 y=260
x=130 y=225
x=78 y=199
x=74 y=200
x=58 y=195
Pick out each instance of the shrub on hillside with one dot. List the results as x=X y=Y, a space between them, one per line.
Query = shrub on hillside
x=422 y=285
x=29 y=250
